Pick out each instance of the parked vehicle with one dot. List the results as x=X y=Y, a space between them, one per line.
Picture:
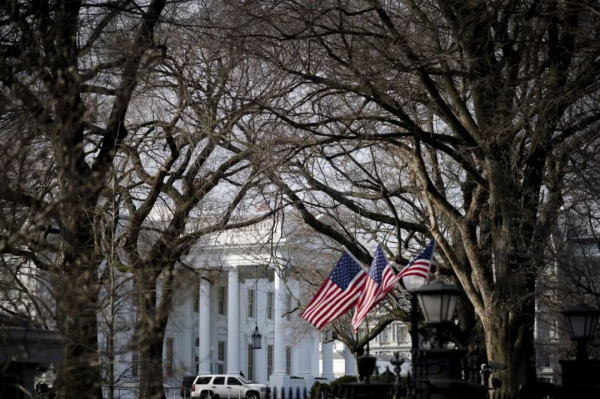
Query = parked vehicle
x=185 y=388
x=227 y=386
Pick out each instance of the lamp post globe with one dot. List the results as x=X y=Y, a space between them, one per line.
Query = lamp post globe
x=438 y=301
x=413 y=282
x=582 y=321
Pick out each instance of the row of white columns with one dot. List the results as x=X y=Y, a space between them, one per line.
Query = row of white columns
x=279 y=376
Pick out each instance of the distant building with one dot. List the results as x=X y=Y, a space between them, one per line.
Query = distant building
x=572 y=278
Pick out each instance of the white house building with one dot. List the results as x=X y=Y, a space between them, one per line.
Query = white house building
x=241 y=284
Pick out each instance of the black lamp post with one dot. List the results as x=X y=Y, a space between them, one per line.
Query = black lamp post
x=582 y=321
x=580 y=376
x=256 y=339
x=413 y=283
x=438 y=372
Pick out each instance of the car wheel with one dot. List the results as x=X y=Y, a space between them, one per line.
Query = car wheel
x=252 y=395
x=207 y=395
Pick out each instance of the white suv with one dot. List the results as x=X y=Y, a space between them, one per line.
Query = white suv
x=227 y=386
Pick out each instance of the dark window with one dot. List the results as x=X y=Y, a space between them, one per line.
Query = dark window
x=203 y=380
x=250 y=362
x=269 y=360
x=196 y=296
x=270 y=305
x=221 y=300
x=221 y=356
x=251 y=303
x=196 y=358
x=219 y=381
x=233 y=381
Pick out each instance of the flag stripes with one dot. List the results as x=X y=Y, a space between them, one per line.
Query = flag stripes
x=338 y=294
x=349 y=284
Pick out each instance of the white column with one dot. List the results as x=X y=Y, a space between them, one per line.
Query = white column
x=204 y=327
x=233 y=322
x=304 y=369
x=279 y=378
x=314 y=358
x=349 y=362
x=328 y=361
x=278 y=342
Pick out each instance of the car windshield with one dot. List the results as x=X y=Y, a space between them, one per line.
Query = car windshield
x=244 y=381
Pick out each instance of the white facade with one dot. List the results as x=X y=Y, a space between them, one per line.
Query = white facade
x=239 y=286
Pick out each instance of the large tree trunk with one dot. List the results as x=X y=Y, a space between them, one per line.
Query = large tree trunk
x=509 y=341
x=79 y=373
x=77 y=306
x=150 y=336
x=509 y=317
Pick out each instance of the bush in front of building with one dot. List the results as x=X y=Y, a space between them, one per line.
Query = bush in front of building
x=316 y=389
x=336 y=386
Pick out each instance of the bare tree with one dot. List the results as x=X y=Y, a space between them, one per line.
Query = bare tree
x=466 y=110
x=60 y=62
x=188 y=169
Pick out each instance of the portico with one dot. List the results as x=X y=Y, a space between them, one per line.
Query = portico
x=252 y=302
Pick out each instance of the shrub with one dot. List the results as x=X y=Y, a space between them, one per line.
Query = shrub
x=316 y=388
x=335 y=386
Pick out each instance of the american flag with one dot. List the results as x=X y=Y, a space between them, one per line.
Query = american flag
x=381 y=281
x=420 y=264
x=338 y=294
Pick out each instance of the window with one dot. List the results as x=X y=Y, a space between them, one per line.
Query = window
x=250 y=362
x=288 y=360
x=270 y=303
x=401 y=333
x=546 y=360
x=197 y=358
x=233 y=381
x=203 y=380
x=384 y=335
x=251 y=303
x=196 y=296
x=221 y=304
x=219 y=381
x=221 y=357
x=169 y=360
x=269 y=360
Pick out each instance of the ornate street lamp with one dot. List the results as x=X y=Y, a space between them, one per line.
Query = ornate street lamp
x=256 y=339
x=438 y=301
x=582 y=321
x=439 y=370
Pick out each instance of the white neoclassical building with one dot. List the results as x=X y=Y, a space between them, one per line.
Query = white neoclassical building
x=238 y=283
